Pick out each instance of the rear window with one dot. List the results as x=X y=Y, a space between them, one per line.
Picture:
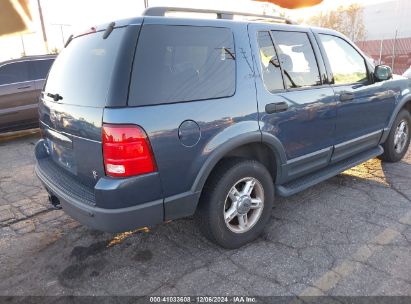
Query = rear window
x=82 y=72
x=182 y=63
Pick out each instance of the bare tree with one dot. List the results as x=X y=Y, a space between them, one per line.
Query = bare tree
x=345 y=19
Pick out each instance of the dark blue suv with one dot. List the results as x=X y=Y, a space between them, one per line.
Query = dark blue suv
x=156 y=118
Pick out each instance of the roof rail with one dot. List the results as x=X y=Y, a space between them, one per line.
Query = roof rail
x=162 y=10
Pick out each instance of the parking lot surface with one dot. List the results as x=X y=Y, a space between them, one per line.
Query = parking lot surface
x=350 y=235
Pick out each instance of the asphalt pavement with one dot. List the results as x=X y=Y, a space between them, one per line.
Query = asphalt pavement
x=350 y=235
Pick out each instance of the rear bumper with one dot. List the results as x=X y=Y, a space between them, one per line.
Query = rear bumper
x=80 y=202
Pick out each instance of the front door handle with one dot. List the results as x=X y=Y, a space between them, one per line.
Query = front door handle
x=276 y=107
x=346 y=96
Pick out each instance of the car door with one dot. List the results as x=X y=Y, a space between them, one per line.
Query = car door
x=40 y=68
x=295 y=103
x=18 y=99
x=364 y=106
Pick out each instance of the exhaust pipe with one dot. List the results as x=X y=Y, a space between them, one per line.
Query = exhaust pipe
x=55 y=202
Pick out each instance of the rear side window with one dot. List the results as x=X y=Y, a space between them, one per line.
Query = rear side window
x=41 y=68
x=270 y=65
x=14 y=72
x=297 y=59
x=182 y=63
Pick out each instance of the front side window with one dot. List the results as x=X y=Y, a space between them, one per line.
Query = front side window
x=297 y=59
x=270 y=66
x=14 y=72
x=347 y=65
x=182 y=63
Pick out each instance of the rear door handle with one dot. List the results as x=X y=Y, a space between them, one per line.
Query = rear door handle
x=346 y=96
x=25 y=87
x=276 y=107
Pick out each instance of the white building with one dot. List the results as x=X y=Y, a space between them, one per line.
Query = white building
x=383 y=19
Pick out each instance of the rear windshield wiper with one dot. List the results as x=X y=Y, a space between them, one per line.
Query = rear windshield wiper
x=55 y=97
x=69 y=40
x=109 y=29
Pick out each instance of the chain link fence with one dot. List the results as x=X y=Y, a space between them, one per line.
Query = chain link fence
x=395 y=52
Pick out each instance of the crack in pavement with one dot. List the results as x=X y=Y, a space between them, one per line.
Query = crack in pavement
x=2 y=225
x=328 y=232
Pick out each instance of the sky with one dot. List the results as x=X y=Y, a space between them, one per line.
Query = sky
x=64 y=17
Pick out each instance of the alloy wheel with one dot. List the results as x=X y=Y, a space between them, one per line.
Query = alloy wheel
x=244 y=205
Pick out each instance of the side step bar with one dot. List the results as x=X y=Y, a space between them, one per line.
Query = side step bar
x=312 y=179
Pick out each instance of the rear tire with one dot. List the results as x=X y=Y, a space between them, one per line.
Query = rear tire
x=398 y=140
x=236 y=203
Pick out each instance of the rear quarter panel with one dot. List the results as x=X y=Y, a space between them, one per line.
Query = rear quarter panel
x=219 y=120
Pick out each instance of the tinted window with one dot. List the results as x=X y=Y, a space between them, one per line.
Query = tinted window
x=270 y=65
x=81 y=73
x=297 y=59
x=41 y=68
x=14 y=72
x=347 y=65
x=182 y=63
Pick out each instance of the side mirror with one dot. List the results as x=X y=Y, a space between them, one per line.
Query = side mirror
x=382 y=72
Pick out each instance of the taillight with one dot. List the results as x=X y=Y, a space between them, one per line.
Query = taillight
x=126 y=151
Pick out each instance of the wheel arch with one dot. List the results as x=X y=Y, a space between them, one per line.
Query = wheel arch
x=265 y=148
x=405 y=103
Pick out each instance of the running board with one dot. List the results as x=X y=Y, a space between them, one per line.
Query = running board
x=312 y=179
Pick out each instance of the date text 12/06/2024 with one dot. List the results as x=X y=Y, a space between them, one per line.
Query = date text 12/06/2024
x=203 y=299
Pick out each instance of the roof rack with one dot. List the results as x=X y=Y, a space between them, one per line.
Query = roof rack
x=161 y=11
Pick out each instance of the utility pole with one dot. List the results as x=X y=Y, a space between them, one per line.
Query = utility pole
x=381 y=45
x=22 y=44
x=394 y=49
x=394 y=46
x=62 y=34
x=145 y=3
x=61 y=30
x=43 y=28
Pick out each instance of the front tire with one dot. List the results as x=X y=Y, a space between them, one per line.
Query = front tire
x=236 y=203
x=398 y=140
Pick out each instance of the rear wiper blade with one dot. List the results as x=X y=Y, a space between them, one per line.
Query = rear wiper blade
x=55 y=97
x=109 y=29
x=69 y=40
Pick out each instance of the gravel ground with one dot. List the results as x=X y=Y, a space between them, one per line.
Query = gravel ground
x=350 y=235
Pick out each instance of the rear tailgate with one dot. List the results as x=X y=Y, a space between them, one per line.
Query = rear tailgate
x=91 y=73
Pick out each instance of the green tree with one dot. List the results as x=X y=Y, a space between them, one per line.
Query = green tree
x=345 y=19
